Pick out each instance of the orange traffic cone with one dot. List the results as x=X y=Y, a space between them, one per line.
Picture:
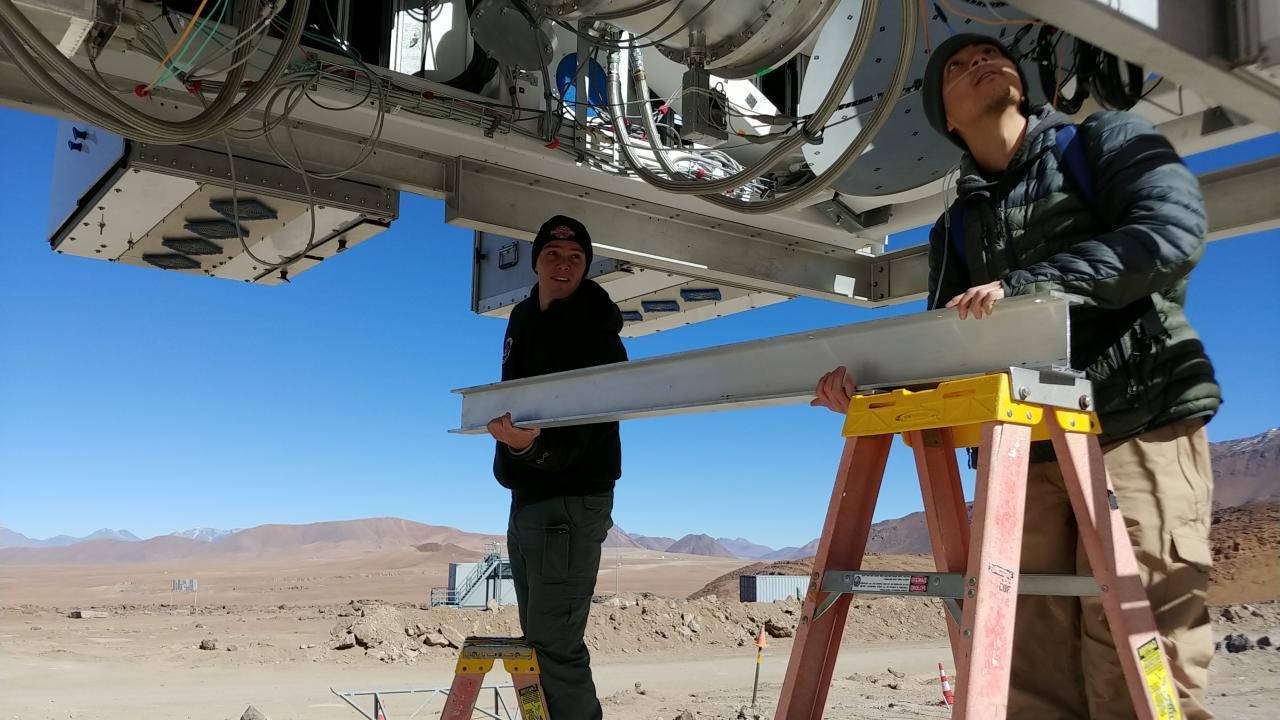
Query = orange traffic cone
x=947 y=695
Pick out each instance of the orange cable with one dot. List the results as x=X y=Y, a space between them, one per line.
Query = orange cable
x=181 y=39
x=924 y=20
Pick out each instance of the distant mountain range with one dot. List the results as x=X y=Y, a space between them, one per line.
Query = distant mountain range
x=342 y=537
x=1245 y=471
x=9 y=538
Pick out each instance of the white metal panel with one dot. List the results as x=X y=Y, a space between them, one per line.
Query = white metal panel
x=277 y=239
x=125 y=212
x=735 y=301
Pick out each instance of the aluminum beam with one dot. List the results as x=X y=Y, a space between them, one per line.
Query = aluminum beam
x=895 y=352
x=513 y=203
x=1243 y=199
x=1188 y=41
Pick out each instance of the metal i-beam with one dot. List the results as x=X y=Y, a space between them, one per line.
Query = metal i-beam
x=1242 y=199
x=514 y=203
x=894 y=352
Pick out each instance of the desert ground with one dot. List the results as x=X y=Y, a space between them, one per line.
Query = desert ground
x=282 y=632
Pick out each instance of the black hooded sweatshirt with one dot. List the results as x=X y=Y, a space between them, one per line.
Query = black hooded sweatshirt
x=577 y=332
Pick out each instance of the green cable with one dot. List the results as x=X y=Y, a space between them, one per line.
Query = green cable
x=173 y=68
x=332 y=42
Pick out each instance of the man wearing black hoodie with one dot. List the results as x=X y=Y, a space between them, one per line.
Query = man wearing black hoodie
x=561 y=479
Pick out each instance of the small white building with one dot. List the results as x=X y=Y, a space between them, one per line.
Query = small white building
x=475 y=585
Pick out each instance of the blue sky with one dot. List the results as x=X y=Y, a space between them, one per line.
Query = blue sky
x=133 y=398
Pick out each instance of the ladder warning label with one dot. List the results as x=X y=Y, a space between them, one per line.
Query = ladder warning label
x=530 y=698
x=1163 y=696
x=891 y=584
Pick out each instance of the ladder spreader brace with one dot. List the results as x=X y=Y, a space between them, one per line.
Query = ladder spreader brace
x=977 y=564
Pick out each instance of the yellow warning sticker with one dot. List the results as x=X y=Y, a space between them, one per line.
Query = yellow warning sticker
x=531 y=707
x=1159 y=685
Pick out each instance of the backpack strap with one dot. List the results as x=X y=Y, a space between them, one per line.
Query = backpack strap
x=1070 y=149
x=955 y=221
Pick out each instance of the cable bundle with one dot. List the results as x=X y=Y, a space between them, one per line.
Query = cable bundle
x=1113 y=83
x=88 y=98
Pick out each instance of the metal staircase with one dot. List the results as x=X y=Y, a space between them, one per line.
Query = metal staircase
x=492 y=562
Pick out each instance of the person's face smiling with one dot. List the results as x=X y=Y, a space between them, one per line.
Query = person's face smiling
x=561 y=267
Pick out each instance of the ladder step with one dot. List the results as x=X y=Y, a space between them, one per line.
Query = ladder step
x=946 y=585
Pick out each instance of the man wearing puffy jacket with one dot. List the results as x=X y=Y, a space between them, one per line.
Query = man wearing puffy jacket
x=561 y=479
x=1117 y=220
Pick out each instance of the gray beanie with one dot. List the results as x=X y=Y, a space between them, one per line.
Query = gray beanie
x=931 y=92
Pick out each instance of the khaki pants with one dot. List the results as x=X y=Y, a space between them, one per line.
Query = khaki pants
x=1064 y=661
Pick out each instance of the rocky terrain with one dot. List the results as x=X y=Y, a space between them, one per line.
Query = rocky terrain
x=1246 y=553
x=656 y=658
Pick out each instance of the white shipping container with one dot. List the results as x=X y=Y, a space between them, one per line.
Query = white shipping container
x=772 y=588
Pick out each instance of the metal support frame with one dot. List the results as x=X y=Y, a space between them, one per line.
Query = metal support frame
x=800 y=252
x=514 y=203
x=213 y=166
x=946 y=585
x=895 y=352
x=1242 y=199
x=501 y=710
x=1191 y=42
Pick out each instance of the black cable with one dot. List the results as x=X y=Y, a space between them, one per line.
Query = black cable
x=1153 y=88
x=1117 y=87
x=1082 y=70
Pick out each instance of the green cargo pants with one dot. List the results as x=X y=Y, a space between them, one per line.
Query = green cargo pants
x=555 y=559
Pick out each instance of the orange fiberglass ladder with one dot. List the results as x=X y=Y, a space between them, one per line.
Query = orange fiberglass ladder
x=475 y=660
x=977 y=567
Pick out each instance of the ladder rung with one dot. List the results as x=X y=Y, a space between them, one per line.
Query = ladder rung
x=946 y=585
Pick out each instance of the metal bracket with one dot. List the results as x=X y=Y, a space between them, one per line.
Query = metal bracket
x=827 y=602
x=851 y=221
x=1053 y=387
x=953 y=608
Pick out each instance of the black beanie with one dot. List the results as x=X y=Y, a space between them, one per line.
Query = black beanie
x=931 y=92
x=562 y=227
